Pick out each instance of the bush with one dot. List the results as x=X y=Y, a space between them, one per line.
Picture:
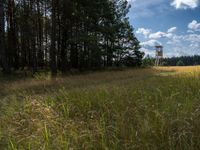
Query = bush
x=164 y=63
x=147 y=62
x=180 y=63
x=133 y=59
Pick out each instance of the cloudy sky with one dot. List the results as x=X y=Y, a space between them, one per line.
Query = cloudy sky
x=175 y=24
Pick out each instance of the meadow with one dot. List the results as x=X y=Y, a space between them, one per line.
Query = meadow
x=131 y=109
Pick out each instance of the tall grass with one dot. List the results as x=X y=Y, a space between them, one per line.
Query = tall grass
x=154 y=108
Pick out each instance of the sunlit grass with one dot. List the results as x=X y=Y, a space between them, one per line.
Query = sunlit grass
x=183 y=69
x=154 y=108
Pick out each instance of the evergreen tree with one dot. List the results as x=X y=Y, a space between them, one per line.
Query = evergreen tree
x=3 y=55
x=66 y=34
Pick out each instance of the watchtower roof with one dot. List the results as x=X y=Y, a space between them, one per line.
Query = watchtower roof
x=159 y=46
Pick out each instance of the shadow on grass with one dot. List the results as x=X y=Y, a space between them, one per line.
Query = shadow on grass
x=42 y=83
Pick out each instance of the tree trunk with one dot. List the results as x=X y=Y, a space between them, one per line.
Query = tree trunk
x=3 y=58
x=53 y=63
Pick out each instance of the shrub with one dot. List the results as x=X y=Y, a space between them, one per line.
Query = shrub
x=147 y=62
x=180 y=63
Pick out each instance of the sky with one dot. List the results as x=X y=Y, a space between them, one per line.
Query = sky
x=174 y=24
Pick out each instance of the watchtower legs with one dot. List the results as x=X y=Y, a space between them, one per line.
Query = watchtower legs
x=158 y=61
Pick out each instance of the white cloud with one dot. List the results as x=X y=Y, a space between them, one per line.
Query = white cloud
x=185 y=44
x=159 y=34
x=192 y=38
x=150 y=43
x=144 y=31
x=156 y=35
x=172 y=30
x=185 y=4
x=194 y=26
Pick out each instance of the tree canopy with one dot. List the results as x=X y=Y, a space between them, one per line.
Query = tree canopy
x=66 y=34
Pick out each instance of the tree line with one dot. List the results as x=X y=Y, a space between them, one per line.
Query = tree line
x=173 y=61
x=66 y=34
x=182 y=61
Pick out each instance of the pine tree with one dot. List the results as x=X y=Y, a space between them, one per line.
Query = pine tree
x=53 y=62
x=66 y=34
x=3 y=54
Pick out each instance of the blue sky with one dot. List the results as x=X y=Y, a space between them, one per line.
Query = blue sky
x=175 y=24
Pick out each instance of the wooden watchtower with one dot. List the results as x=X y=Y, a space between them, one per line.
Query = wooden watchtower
x=159 y=55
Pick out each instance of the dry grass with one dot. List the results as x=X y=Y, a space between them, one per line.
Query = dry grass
x=154 y=108
x=183 y=69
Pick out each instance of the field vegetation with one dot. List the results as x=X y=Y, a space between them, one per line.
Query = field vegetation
x=145 y=109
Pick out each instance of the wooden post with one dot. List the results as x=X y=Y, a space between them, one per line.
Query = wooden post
x=159 y=55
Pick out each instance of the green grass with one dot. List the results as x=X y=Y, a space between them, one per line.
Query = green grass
x=144 y=109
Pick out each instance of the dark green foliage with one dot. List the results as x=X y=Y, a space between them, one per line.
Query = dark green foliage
x=164 y=63
x=148 y=62
x=133 y=59
x=66 y=34
x=184 y=60
x=180 y=63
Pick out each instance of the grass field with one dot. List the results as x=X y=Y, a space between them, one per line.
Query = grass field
x=142 y=109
